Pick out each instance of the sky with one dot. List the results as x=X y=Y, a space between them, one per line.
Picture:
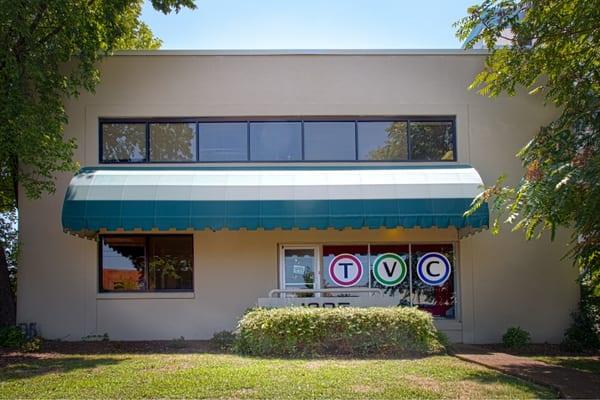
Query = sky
x=310 y=24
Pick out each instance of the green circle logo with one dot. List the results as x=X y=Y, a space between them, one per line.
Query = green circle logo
x=389 y=269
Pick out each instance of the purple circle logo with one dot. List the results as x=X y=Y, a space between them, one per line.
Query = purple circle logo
x=345 y=270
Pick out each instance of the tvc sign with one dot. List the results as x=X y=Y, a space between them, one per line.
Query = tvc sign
x=389 y=269
x=433 y=269
x=345 y=270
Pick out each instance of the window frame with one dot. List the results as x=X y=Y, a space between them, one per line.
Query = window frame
x=146 y=290
x=322 y=268
x=301 y=119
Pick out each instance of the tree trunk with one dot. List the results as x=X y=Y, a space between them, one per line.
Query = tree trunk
x=7 y=300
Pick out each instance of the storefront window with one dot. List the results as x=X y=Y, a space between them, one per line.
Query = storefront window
x=437 y=299
x=330 y=252
x=275 y=141
x=278 y=140
x=136 y=263
x=381 y=141
x=299 y=270
x=170 y=263
x=173 y=142
x=329 y=141
x=431 y=141
x=123 y=142
x=401 y=290
x=123 y=263
x=223 y=141
x=421 y=275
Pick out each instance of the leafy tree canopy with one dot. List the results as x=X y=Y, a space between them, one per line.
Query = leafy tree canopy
x=49 y=51
x=554 y=52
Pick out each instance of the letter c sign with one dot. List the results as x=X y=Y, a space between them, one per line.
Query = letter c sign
x=433 y=269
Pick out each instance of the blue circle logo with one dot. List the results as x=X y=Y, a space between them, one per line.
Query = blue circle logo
x=433 y=269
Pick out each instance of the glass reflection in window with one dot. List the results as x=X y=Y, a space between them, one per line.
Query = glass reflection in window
x=170 y=262
x=359 y=251
x=402 y=290
x=299 y=270
x=431 y=141
x=329 y=141
x=438 y=300
x=124 y=142
x=275 y=141
x=173 y=142
x=123 y=263
x=382 y=140
x=223 y=141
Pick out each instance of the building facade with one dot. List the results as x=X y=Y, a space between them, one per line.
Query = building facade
x=212 y=182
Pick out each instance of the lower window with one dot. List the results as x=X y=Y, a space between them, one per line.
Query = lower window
x=146 y=263
x=421 y=275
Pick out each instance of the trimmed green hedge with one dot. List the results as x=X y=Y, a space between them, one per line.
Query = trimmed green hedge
x=301 y=331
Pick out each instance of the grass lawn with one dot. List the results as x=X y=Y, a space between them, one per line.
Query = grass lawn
x=206 y=375
x=583 y=363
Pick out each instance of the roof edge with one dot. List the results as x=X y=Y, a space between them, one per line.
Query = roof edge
x=305 y=52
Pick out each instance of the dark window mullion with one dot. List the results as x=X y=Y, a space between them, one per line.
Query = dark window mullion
x=356 y=140
x=146 y=263
x=302 y=139
x=454 y=139
x=409 y=141
x=197 y=141
x=147 y=142
x=248 y=156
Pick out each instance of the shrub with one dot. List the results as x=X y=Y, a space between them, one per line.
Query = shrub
x=223 y=340
x=300 y=331
x=515 y=338
x=582 y=335
x=584 y=332
x=12 y=337
x=96 y=338
x=177 y=343
x=32 y=345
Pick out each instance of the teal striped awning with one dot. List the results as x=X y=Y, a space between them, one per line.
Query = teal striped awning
x=198 y=198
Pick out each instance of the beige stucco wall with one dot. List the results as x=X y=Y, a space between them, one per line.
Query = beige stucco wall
x=504 y=281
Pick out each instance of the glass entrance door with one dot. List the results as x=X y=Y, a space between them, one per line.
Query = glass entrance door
x=298 y=267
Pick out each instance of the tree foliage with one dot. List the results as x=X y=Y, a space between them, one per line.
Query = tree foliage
x=49 y=52
x=554 y=52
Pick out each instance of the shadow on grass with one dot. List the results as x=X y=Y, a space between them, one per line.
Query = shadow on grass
x=587 y=364
x=16 y=367
x=159 y=347
x=490 y=377
x=569 y=382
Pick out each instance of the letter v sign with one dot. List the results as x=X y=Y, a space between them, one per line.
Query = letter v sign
x=389 y=269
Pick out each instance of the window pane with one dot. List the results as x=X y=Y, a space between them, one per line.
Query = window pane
x=275 y=141
x=382 y=141
x=329 y=141
x=122 y=263
x=431 y=141
x=402 y=290
x=359 y=251
x=438 y=300
x=124 y=142
x=299 y=270
x=170 y=263
x=173 y=142
x=223 y=141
